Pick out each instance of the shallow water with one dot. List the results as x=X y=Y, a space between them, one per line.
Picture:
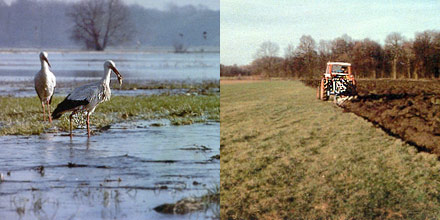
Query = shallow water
x=120 y=173
x=17 y=69
x=157 y=66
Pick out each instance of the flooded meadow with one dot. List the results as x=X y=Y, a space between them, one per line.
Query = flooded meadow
x=126 y=169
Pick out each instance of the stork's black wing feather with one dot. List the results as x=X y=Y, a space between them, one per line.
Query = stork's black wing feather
x=67 y=105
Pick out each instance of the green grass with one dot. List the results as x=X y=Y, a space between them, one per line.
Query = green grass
x=24 y=115
x=287 y=155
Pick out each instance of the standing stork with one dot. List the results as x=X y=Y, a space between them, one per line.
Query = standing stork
x=87 y=97
x=45 y=83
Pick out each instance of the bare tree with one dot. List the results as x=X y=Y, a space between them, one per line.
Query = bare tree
x=267 y=49
x=426 y=48
x=325 y=50
x=266 y=60
x=367 y=55
x=306 y=51
x=289 y=61
x=324 y=53
x=436 y=55
x=289 y=51
x=409 y=57
x=341 y=48
x=100 y=23
x=393 y=44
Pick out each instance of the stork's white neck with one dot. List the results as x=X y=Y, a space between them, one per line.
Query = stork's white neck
x=106 y=77
x=44 y=65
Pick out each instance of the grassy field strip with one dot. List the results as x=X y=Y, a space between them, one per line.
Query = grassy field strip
x=24 y=115
x=287 y=155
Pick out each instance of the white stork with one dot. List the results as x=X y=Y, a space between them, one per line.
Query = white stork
x=45 y=83
x=87 y=97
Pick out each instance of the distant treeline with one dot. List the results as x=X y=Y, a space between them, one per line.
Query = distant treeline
x=397 y=58
x=34 y=23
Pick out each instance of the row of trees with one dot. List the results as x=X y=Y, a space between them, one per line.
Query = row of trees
x=397 y=58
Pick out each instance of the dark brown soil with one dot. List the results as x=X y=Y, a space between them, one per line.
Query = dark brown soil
x=407 y=109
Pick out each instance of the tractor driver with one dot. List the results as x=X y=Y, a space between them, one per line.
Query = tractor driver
x=343 y=69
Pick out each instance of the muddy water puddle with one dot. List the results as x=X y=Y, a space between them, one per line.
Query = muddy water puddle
x=121 y=173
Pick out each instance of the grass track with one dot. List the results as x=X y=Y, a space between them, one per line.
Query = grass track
x=287 y=155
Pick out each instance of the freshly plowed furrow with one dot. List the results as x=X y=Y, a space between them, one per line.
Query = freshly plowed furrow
x=415 y=119
x=406 y=109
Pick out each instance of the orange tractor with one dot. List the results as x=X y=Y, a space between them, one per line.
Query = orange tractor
x=338 y=80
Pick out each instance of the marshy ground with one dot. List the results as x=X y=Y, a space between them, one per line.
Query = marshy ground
x=155 y=142
x=287 y=155
x=146 y=151
x=23 y=115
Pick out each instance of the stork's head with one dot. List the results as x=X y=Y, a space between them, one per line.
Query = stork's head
x=43 y=57
x=111 y=65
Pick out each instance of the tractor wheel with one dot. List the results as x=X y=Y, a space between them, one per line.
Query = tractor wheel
x=322 y=92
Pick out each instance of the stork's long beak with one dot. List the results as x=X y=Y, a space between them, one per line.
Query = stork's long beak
x=117 y=74
x=45 y=59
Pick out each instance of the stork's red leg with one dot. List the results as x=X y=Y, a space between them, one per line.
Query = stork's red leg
x=88 y=128
x=49 y=115
x=70 y=117
x=44 y=111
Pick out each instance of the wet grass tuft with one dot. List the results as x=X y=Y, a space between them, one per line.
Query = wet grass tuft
x=23 y=116
x=192 y=204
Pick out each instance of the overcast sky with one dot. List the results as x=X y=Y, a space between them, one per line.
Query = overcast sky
x=161 y=4
x=246 y=24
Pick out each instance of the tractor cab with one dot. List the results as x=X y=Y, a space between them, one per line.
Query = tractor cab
x=338 y=69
